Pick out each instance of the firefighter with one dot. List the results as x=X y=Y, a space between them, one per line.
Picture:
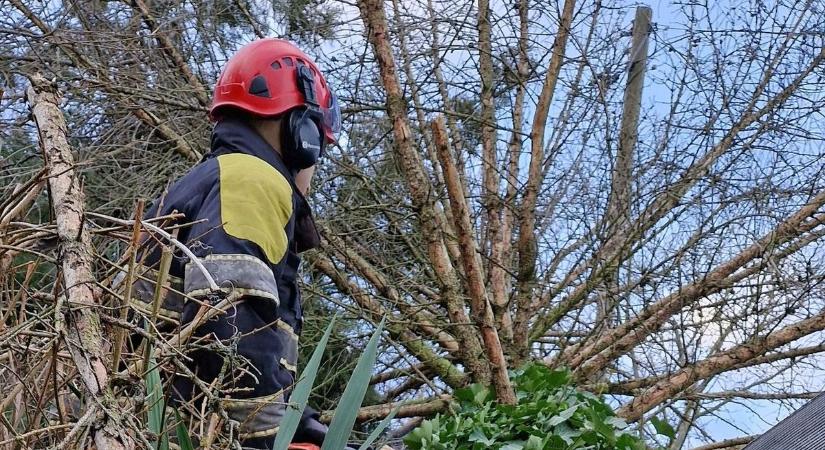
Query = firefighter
x=249 y=221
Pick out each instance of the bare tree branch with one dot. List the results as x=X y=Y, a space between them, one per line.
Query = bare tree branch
x=81 y=326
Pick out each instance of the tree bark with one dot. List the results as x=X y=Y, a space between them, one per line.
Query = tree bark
x=619 y=203
x=730 y=444
x=527 y=246
x=480 y=306
x=423 y=408
x=375 y=20
x=79 y=326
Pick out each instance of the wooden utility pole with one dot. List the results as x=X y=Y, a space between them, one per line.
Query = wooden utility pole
x=617 y=218
x=619 y=207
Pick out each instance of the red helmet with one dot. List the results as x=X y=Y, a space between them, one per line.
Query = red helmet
x=262 y=79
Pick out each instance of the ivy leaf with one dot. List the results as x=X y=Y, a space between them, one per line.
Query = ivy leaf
x=617 y=422
x=551 y=414
x=534 y=443
x=602 y=428
x=563 y=416
x=478 y=436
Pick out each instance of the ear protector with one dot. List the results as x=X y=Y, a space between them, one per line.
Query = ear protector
x=303 y=140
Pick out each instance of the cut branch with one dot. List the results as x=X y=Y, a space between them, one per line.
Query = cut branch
x=82 y=332
x=373 y=15
x=480 y=306
x=728 y=443
x=527 y=245
x=423 y=408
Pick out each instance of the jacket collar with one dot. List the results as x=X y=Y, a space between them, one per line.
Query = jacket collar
x=236 y=136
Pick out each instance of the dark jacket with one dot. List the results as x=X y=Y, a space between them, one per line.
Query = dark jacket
x=248 y=224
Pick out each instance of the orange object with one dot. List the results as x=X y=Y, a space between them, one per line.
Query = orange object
x=303 y=447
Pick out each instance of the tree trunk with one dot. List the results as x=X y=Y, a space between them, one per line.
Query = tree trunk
x=79 y=326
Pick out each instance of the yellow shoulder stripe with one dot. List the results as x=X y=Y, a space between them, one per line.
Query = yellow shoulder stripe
x=256 y=203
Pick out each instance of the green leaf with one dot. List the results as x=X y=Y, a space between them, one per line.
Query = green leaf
x=563 y=416
x=567 y=433
x=478 y=436
x=551 y=414
x=300 y=395
x=377 y=431
x=157 y=405
x=347 y=411
x=663 y=428
x=554 y=443
x=533 y=443
x=183 y=434
x=616 y=422
x=602 y=428
x=474 y=395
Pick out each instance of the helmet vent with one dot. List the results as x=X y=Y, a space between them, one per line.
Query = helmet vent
x=276 y=65
x=258 y=87
x=288 y=62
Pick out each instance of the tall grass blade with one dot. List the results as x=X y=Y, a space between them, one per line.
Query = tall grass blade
x=183 y=434
x=347 y=411
x=378 y=430
x=157 y=405
x=300 y=395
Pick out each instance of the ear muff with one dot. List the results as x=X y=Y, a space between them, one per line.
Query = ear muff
x=304 y=142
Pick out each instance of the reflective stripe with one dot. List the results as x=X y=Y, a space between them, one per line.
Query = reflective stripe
x=260 y=416
x=286 y=327
x=288 y=366
x=143 y=293
x=256 y=202
x=239 y=273
x=289 y=343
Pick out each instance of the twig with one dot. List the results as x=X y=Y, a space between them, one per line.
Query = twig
x=120 y=334
x=195 y=260
x=405 y=409
x=77 y=427
x=728 y=443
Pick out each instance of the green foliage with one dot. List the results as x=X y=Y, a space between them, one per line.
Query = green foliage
x=663 y=428
x=183 y=434
x=157 y=404
x=550 y=414
x=343 y=420
x=339 y=356
x=298 y=400
x=307 y=20
x=345 y=415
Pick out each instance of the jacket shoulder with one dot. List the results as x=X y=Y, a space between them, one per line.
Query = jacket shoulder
x=256 y=202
